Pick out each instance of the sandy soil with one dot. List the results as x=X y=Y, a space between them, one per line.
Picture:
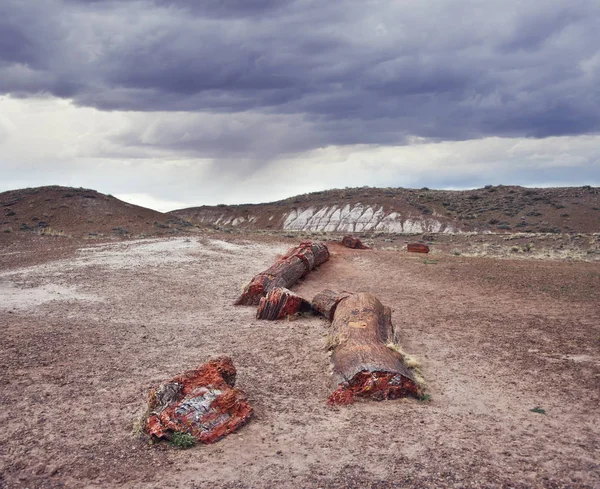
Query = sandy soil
x=88 y=334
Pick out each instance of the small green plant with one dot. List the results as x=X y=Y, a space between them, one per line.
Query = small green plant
x=538 y=410
x=430 y=262
x=182 y=440
x=425 y=398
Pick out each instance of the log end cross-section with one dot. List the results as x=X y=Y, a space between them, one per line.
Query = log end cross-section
x=285 y=272
x=363 y=366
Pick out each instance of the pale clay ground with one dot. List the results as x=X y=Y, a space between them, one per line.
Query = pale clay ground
x=86 y=338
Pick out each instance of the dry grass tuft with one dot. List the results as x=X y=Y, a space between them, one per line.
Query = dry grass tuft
x=410 y=361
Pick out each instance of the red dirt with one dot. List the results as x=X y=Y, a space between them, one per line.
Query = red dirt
x=495 y=339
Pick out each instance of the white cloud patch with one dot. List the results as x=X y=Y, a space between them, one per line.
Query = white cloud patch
x=51 y=141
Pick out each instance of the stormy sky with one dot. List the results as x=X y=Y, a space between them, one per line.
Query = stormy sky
x=173 y=103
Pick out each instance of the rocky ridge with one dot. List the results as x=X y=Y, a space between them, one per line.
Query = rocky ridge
x=411 y=211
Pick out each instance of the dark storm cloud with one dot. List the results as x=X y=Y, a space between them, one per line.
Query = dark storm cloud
x=312 y=73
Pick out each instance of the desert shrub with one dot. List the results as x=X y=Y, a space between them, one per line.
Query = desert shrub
x=182 y=440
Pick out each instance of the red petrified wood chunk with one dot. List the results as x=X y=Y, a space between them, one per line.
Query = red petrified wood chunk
x=417 y=248
x=200 y=402
x=279 y=303
x=352 y=242
x=286 y=271
x=363 y=365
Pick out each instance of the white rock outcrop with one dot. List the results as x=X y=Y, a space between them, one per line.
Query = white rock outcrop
x=360 y=218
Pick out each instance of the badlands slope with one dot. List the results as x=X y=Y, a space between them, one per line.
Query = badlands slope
x=411 y=211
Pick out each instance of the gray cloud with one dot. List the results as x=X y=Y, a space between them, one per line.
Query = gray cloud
x=277 y=77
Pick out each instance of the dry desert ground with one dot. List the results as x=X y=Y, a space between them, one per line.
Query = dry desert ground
x=89 y=329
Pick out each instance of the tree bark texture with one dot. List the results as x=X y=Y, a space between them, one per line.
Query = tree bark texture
x=363 y=365
x=326 y=302
x=285 y=272
x=279 y=303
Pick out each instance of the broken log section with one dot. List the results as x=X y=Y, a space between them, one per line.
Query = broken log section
x=352 y=242
x=363 y=364
x=285 y=272
x=200 y=402
x=417 y=248
x=279 y=303
x=327 y=301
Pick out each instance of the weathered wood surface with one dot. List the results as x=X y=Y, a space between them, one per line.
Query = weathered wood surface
x=202 y=402
x=285 y=272
x=417 y=248
x=363 y=366
x=326 y=301
x=352 y=242
x=279 y=303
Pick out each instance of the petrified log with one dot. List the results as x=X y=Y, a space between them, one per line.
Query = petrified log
x=363 y=366
x=200 y=402
x=417 y=248
x=327 y=301
x=285 y=272
x=352 y=242
x=279 y=303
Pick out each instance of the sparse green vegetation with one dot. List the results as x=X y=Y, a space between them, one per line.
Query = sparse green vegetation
x=182 y=440
x=538 y=410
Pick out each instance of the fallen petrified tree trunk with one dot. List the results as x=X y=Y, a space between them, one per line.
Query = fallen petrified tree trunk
x=279 y=303
x=363 y=366
x=200 y=402
x=285 y=272
x=327 y=301
x=352 y=242
x=417 y=248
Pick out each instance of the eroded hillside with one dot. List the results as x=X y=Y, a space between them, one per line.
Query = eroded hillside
x=390 y=210
x=56 y=210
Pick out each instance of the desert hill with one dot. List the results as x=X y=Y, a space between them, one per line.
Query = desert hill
x=56 y=210
x=398 y=210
